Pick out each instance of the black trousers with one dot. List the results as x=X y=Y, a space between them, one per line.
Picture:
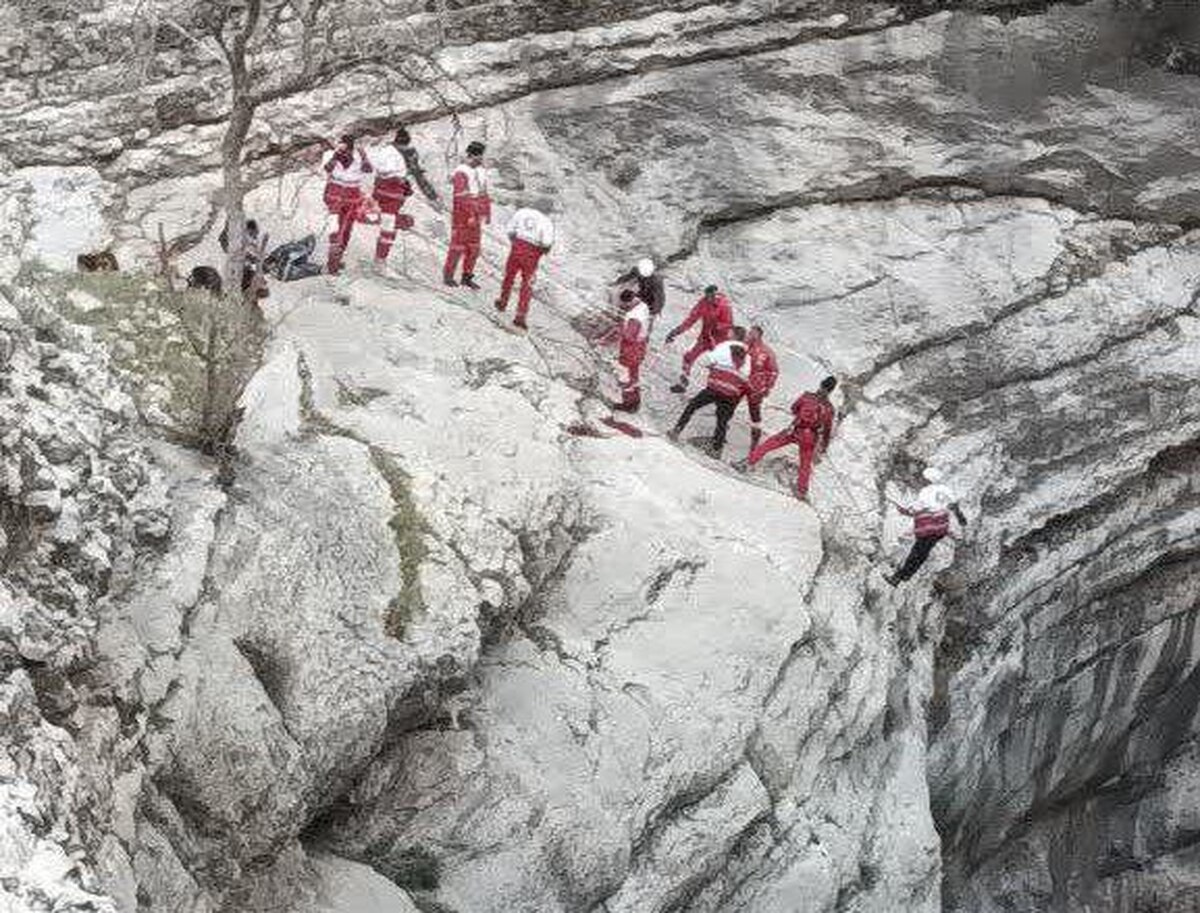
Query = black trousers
x=725 y=409
x=917 y=556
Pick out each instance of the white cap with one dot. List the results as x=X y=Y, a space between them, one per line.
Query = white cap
x=933 y=475
x=645 y=266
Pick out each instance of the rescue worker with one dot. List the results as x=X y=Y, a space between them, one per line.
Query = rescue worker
x=471 y=210
x=347 y=168
x=764 y=372
x=727 y=384
x=650 y=285
x=931 y=523
x=531 y=234
x=812 y=427
x=714 y=313
x=393 y=164
x=635 y=332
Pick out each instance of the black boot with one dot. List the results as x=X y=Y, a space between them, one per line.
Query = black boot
x=468 y=280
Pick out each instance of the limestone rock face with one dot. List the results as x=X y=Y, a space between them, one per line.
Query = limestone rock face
x=443 y=640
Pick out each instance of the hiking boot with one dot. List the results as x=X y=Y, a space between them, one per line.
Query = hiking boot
x=673 y=434
x=519 y=322
x=679 y=387
x=742 y=465
x=892 y=579
x=468 y=280
x=500 y=304
x=449 y=280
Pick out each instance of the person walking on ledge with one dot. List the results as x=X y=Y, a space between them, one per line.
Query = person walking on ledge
x=531 y=234
x=812 y=427
x=470 y=211
x=394 y=164
x=346 y=168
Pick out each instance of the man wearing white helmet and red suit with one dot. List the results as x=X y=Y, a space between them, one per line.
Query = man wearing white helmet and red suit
x=649 y=285
x=931 y=523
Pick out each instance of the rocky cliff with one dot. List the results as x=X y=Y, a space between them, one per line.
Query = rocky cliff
x=442 y=641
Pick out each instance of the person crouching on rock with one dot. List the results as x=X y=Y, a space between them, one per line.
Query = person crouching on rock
x=471 y=210
x=347 y=168
x=634 y=333
x=531 y=234
x=931 y=523
x=728 y=382
x=812 y=427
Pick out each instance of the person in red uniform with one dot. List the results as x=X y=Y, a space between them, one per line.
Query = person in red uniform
x=727 y=384
x=394 y=163
x=531 y=234
x=347 y=168
x=812 y=427
x=634 y=333
x=714 y=313
x=764 y=372
x=472 y=209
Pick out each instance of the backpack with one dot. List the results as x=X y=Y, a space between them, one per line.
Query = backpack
x=809 y=412
x=290 y=261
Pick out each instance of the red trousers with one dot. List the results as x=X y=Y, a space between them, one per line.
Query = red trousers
x=806 y=438
x=391 y=194
x=630 y=359
x=343 y=202
x=523 y=260
x=465 y=240
x=754 y=402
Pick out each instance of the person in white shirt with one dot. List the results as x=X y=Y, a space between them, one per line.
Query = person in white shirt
x=931 y=523
x=346 y=168
x=728 y=381
x=394 y=164
x=532 y=234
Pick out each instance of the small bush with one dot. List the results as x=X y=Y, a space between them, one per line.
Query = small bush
x=188 y=354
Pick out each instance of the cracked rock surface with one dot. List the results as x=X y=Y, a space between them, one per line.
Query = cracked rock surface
x=445 y=643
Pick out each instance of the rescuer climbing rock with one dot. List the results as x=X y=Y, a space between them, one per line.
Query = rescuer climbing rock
x=931 y=523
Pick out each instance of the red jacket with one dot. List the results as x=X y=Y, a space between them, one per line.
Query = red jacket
x=716 y=317
x=764 y=369
x=811 y=412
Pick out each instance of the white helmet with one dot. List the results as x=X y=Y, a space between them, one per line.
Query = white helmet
x=645 y=267
x=933 y=475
